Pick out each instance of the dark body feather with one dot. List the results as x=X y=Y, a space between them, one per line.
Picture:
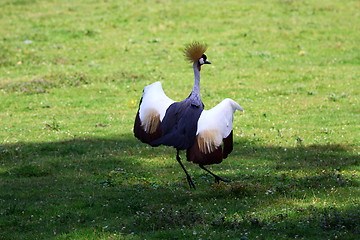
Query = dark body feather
x=216 y=156
x=141 y=134
x=228 y=145
x=179 y=125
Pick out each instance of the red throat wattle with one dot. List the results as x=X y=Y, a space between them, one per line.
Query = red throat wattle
x=199 y=68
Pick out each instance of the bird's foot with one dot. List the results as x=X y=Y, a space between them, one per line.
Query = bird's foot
x=218 y=179
x=191 y=183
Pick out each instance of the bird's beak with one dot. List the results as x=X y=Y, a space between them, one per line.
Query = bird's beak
x=207 y=62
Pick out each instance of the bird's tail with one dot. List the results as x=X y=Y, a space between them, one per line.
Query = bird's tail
x=156 y=143
x=173 y=141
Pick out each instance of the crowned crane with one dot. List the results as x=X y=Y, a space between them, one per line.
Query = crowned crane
x=206 y=135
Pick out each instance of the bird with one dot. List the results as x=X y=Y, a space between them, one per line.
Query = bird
x=206 y=135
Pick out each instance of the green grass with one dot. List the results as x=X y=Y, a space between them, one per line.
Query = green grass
x=72 y=75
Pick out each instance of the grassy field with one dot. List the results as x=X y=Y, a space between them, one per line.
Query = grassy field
x=72 y=74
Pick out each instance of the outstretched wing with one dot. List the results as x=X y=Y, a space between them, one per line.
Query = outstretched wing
x=151 y=112
x=214 y=138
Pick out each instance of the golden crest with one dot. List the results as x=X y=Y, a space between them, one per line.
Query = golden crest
x=194 y=51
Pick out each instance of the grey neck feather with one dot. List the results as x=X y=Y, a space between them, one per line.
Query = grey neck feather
x=196 y=89
x=195 y=97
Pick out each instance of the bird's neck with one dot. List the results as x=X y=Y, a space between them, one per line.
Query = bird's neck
x=196 y=89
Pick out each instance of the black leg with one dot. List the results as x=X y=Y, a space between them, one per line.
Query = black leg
x=217 y=178
x=191 y=184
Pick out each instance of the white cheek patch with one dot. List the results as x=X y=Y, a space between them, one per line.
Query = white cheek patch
x=201 y=61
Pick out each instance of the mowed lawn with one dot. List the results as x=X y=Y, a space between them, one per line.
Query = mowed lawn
x=72 y=74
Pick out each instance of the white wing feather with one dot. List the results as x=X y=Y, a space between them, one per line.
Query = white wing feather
x=154 y=99
x=218 y=119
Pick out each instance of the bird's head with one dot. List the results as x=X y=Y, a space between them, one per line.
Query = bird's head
x=194 y=53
